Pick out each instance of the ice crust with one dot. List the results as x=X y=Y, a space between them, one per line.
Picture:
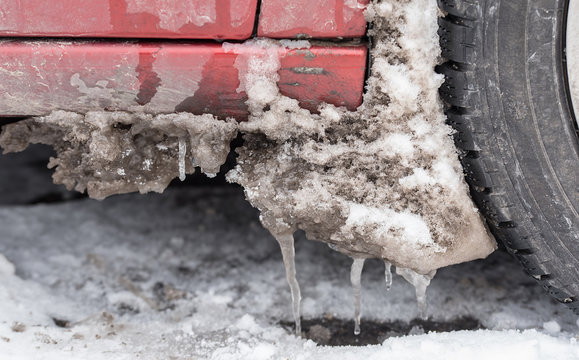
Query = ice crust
x=107 y=153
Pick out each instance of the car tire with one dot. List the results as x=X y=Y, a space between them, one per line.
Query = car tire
x=508 y=100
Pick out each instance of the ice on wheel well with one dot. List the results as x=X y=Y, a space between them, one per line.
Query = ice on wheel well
x=384 y=181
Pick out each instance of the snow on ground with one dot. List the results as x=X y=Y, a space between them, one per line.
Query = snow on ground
x=191 y=274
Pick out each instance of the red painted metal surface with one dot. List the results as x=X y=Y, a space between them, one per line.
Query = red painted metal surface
x=312 y=18
x=38 y=77
x=191 y=19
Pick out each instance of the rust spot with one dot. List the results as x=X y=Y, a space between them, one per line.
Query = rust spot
x=149 y=81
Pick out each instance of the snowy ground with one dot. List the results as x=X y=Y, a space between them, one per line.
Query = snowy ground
x=191 y=274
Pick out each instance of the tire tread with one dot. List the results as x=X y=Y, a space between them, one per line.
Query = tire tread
x=461 y=42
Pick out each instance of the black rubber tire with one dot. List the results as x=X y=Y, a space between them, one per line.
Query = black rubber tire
x=508 y=101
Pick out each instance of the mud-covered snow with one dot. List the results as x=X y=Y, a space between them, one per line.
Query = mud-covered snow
x=107 y=153
x=381 y=182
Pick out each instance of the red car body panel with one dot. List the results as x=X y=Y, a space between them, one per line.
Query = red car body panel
x=169 y=19
x=312 y=18
x=41 y=76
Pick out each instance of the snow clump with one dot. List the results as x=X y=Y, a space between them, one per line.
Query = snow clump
x=107 y=153
x=384 y=181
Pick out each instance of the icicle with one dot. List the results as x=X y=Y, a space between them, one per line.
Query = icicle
x=182 y=152
x=286 y=243
x=333 y=247
x=388 y=274
x=420 y=283
x=355 y=279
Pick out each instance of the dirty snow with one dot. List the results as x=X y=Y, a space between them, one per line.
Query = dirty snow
x=108 y=153
x=382 y=182
x=192 y=274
